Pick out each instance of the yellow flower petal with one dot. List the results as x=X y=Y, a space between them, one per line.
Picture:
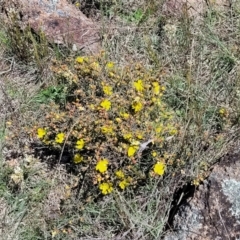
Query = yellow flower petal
x=154 y=153
x=156 y=88
x=138 y=85
x=123 y=184
x=159 y=128
x=95 y=66
x=135 y=143
x=80 y=144
x=137 y=106
x=102 y=166
x=132 y=150
x=107 y=90
x=118 y=120
x=107 y=129
x=77 y=158
x=80 y=59
x=41 y=132
x=106 y=104
x=106 y=188
x=127 y=136
x=139 y=136
x=54 y=233
x=124 y=115
x=119 y=174
x=110 y=65
x=159 y=168
x=60 y=138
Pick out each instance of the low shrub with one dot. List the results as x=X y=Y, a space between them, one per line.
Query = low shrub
x=114 y=124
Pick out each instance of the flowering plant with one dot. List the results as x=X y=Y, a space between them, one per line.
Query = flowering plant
x=114 y=119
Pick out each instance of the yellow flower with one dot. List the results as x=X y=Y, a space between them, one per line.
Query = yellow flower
x=119 y=174
x=41 y=132
x=159 y=128
x=118 y=120
x=159 y=168
x=80 y=59
x=122 y=147
x=80 y=144
x=111 y=74
x=123 y=184
x=106 y=188
x=95 y=66
x=139 y=136
x=107 y=90
x=106 y=104
x=195 y=182
x=99 y=178
x=124 y=115
x=173 y=131
x=135 y=142
x=54 y=233
x=47 y=142
x=60 y=138
x=107 y=129
x=9 y=123
x=156 y=101
x=127 y=136
x=138 y=85
x=92 y=107
x=110 y=65
x=102 y=166
x=132 y=150
x=156 y=88
x=137 y=106
x=223 y=112
x=154 y=153
x=77 y=158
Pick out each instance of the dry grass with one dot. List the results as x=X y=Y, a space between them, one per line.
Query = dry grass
x=199 y=64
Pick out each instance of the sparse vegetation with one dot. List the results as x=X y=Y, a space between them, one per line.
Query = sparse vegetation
x=95 y=147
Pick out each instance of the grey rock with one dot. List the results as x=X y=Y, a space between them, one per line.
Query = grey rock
x=214 y=210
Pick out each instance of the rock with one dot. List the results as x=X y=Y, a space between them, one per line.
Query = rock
x=60 y=21
x=214 y=210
